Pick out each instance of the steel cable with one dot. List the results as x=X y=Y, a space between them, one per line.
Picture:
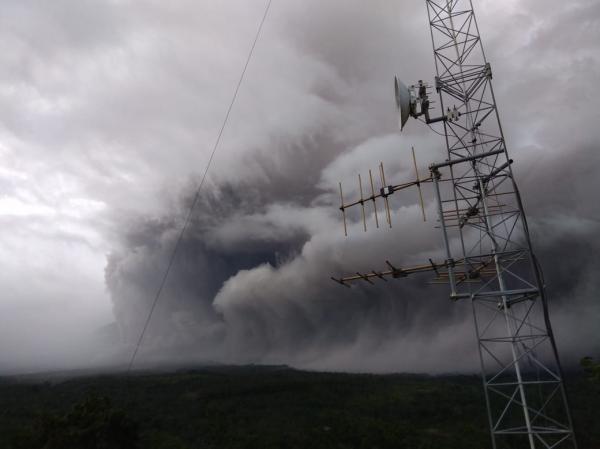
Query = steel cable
x=198 y=190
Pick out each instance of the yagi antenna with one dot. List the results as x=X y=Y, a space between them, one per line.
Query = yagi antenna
x=384 y=192
x=343 y=209
x=418 y=184
x=362 y=202
x=373 y=197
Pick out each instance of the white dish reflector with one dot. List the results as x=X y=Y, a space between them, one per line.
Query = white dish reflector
x=403 y=99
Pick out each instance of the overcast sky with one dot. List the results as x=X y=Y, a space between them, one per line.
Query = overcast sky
x=109 y=113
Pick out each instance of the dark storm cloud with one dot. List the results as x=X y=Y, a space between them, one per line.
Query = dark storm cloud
x=110 y=112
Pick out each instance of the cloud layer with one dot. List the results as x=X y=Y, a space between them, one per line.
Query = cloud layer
x=110 y=113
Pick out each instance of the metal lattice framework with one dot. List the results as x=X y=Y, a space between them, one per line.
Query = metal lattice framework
x=484 y=222
x=489 y=257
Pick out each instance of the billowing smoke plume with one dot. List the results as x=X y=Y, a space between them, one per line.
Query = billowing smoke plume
x=110 y=112
x=251 y=282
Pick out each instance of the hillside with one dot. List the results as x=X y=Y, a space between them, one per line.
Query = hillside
x=262 y=408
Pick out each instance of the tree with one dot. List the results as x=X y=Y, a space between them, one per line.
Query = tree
x=92 y=423
x=591 y=368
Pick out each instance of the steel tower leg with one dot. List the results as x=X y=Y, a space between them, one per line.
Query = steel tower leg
x=484 y=224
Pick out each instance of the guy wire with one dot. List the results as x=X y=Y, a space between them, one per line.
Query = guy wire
x=198 y=189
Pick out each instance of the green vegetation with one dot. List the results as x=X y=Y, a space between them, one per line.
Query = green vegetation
x=92 y=423
x=260 y=407
x=591 y=368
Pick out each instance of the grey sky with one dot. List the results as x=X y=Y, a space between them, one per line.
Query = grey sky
x=110 y=110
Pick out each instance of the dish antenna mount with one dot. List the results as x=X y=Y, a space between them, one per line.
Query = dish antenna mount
x=414 y=102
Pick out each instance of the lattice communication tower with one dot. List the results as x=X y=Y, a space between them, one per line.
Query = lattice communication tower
x=489 y=259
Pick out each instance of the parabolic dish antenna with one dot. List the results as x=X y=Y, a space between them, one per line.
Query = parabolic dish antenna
x=403 y=99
